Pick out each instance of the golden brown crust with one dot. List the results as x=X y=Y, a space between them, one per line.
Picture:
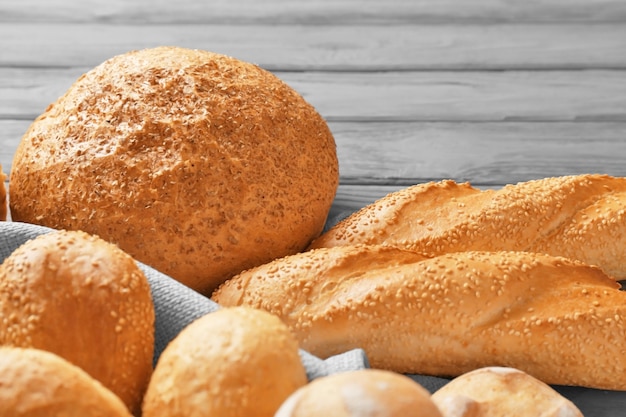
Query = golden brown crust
x=195 y=163
x=581 y=217
x=235 y=362
x=367 y=392
x=36 y=383
x=559 y=320
x=501 y=392
x=85 y=300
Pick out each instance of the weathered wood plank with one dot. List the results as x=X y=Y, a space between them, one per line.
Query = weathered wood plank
x=387 y=96
x=334 y=47
x=486 y=154
x=313 y=11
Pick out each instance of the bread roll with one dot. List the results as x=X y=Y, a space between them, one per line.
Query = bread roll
x=3 y=196
x=559 y=320
x=501 y=392
x=85 y=300
x=363 y=393
x=197 y=164
x=580 y=217
x=36 y=383
x=233 y=362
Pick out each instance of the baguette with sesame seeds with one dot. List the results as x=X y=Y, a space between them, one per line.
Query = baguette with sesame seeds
x=557 y=319
x=581 y=217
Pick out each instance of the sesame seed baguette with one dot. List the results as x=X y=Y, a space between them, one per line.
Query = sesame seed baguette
x=581 y=217
x=557 y=319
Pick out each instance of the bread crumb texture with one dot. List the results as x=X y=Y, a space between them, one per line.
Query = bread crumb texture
x=195 y=163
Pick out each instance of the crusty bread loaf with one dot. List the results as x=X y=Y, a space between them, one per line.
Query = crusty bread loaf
x=36 y=383
x=197 y=164
x=85 y=300
x=580 y=217
x=501 y=392
x=361 y=393
x=233 y=362
x=559 y=320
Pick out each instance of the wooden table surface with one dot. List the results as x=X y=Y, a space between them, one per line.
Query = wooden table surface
x=486 y=91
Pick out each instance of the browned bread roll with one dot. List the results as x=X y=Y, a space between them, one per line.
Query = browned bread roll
x=3 y=196
x=233 y=362
x=559 y=320
x=85 y=300
x=36 y=383
x=580 y=217
x=195 y=163
x=363 y=393
x=501 y=392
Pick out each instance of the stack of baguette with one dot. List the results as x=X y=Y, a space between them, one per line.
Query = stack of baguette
x=441 y=279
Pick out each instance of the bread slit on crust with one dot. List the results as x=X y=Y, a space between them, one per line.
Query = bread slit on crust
x=581 y=217
x=559 y=320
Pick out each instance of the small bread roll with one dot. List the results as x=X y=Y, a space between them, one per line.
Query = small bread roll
x=362 y=393
x=233 y=362
x=3 y=196
x=197 y=164
x=36 y=383
x=501 y=392
x=85 y=300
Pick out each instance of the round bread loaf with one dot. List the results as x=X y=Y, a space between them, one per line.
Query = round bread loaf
x=362 y=393
x=501 y=392
x=36 y=383
x=236 y=362
x=85 y=300
x=195 y=163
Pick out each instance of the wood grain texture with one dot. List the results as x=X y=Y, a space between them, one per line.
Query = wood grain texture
x=488 y=91
x=314 y=11
x=357 y=48
x=394 y=96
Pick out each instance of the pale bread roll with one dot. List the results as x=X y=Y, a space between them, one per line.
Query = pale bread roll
x=559 y=320
x=85 y=300
x=501 y=392
x=36 y=383
x=197 y=164
x=580 y=217
x=233 y=362
x=362 y=393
